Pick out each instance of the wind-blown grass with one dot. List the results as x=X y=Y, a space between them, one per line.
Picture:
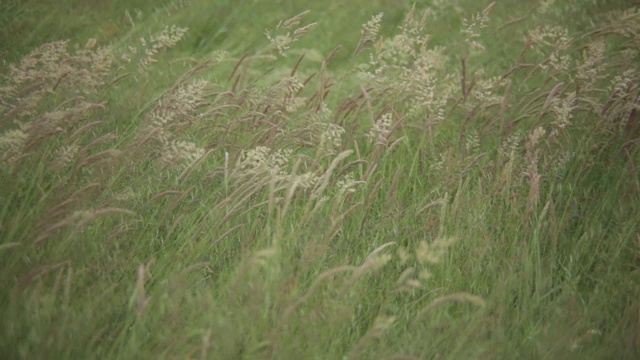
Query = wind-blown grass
x=443 y=181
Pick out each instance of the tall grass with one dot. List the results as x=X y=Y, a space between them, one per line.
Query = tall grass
x=452 y=181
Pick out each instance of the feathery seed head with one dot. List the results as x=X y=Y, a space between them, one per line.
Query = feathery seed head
x=471 y=28
x=348 y=184
x=12 y=143
x=330 y=138
x=369 y=32
x=379 y=132
x=181 y=153
x=282 y=42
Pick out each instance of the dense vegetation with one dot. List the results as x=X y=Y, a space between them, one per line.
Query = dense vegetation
x=361 y=180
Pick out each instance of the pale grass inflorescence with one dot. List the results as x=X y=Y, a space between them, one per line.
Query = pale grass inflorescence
x=379 y=132
x=12 y=143
x=52 y=68
x=330 y=138
x=553 y=42
x=369 y=32
x=285 y=34
x=407 y=66
x=471 y=27
x=152 y=45
x=174 y=114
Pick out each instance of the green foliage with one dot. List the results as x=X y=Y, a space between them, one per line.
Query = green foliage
x=360 y=180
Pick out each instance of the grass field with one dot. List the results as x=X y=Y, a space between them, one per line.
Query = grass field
x=320 y=180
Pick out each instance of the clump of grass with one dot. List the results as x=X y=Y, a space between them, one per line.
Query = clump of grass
x=302 y=211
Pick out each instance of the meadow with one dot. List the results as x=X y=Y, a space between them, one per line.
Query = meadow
x=378 y=179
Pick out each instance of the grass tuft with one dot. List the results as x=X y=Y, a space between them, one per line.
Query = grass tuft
x=360 y=180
